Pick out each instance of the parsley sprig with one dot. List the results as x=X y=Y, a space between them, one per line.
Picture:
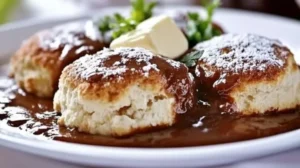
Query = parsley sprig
x=141 y=10
x=191 y=58
x=104 y=24
x=199 y=28
x=120 y=25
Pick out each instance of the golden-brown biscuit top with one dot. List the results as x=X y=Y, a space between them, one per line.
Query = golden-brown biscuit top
x=112 y=71
x=232 y=59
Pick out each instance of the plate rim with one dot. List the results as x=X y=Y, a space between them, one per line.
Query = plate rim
x=148 y=157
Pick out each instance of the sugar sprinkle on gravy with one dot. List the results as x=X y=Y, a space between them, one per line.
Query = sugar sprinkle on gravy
x=90 y=65
x=246 y=52
x=73 y=38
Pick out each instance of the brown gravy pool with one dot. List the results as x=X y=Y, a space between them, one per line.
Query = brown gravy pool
x=36 y=116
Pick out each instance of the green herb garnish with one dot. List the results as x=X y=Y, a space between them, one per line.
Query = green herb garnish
x=6 y=7
x=199 y=28
x=120 y=25
x=191 y=58
x=141 y=10
x=104 y=25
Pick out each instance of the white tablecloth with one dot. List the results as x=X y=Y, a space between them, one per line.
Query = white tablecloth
x=14 y=159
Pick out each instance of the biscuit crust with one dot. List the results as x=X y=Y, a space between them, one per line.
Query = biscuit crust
x=129 y=85
x=246 y=69
x=37 y=65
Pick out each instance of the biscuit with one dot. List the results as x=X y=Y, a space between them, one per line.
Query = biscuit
x=123 y=91
x=37 y=65
x=252 y=74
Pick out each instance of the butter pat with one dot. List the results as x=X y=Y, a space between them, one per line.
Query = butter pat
x=158 y=34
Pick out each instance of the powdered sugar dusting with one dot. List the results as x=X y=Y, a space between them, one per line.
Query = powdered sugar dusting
x=98 y=64
x=139 y=54
x=123 y=67
x=68 y=36
x=240 y=53
x=175 y=64
x=62 y=35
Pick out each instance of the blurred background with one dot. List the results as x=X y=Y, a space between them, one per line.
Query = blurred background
x=13 y=10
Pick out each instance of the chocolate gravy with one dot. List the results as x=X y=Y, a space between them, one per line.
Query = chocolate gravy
x=129 y=64
x=72 y=40
x=204 y=125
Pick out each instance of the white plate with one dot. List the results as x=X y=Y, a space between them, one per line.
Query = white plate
x=233 y=21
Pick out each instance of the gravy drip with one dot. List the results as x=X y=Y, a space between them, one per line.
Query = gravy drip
x=120 y=66
x=230 y=59
x=72 y=40
x=201 y=126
